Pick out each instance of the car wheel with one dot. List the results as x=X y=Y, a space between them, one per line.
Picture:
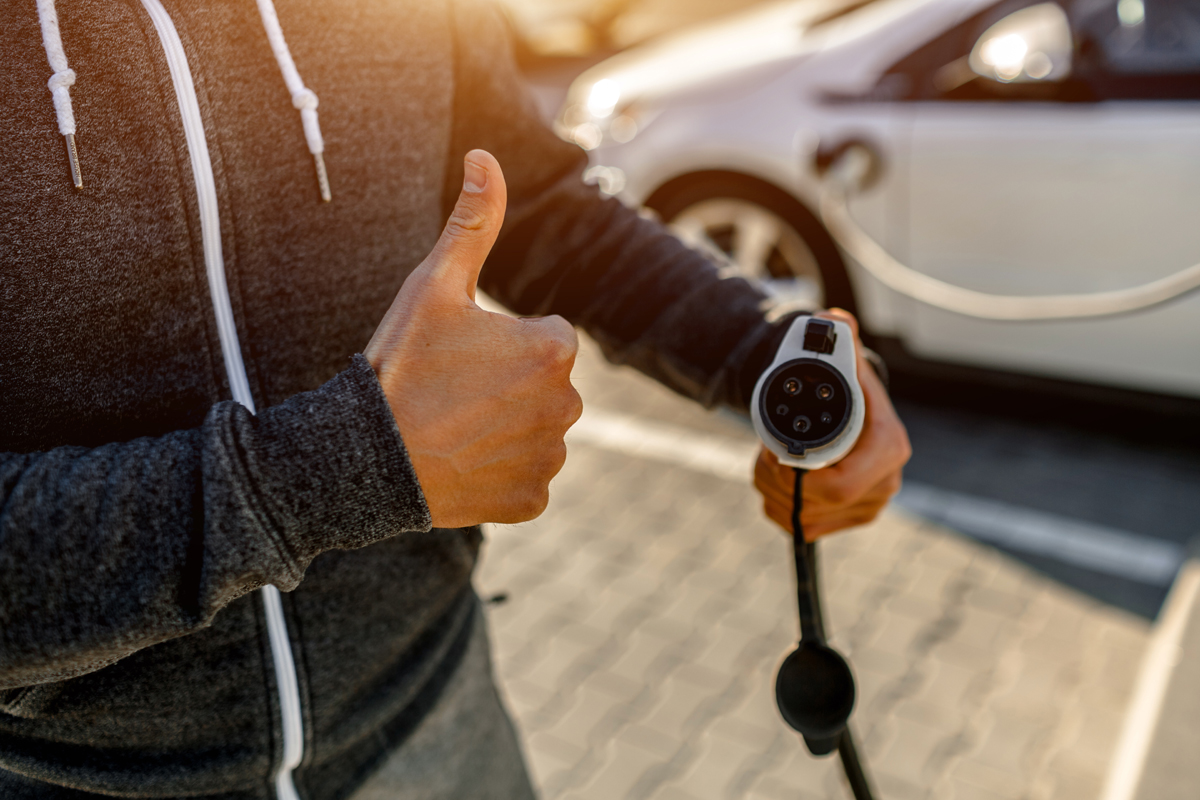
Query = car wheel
x=757 y=230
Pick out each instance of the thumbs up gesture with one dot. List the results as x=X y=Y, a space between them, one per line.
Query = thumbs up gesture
x=482 y=400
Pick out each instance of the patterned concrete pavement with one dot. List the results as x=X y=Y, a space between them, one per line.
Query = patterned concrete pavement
x=649 y=606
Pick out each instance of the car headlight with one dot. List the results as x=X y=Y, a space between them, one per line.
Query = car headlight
x=599 y=117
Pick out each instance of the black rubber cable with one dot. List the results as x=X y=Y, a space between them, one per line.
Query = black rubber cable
x=808 y=599
x=812 y=626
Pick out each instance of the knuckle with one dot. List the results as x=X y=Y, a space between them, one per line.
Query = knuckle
x=524 y=503
x=533 y=502
x=551 y=458
x=559 y=343
x=564 y=329
x=466 y=221
x=554 y=354
x=572 y=407
x=557 y=411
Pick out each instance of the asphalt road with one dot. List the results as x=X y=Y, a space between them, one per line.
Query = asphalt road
x=1145 y=486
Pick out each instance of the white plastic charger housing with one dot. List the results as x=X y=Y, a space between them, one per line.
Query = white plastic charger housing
x=793 y=363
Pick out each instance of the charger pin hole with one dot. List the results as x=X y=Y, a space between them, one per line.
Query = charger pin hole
x=791 y=386
x=825 y=391
x=781 y=410
x=801 y=424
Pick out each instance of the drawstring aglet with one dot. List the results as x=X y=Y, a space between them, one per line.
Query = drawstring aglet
x=322 y=177
x=73 y=157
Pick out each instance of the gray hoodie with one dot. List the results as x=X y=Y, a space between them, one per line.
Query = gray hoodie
x=140 y=508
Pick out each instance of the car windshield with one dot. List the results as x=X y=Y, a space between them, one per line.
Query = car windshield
x=1142 y=36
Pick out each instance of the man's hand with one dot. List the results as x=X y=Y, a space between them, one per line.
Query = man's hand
x=482 y=400
x=854 y=490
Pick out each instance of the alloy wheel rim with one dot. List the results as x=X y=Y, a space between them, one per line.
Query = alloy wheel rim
x=750 y=241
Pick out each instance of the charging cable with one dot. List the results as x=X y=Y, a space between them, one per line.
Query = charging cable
x=814 y=688
x=853 y=169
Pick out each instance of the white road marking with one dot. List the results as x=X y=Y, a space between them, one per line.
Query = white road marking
x=1094 y=547
x=1070 y=541
x=723 y=456
x=1158 y=665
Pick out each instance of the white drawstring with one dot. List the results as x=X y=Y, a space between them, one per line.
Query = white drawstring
x=60 y=83
x=303 y=98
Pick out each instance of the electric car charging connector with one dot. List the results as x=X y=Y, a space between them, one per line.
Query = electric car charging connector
x=809 y=410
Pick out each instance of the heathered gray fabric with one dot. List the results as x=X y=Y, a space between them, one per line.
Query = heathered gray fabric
x=138 y=508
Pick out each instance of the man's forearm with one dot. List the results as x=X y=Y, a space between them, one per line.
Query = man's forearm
x=650 y=301
x=107 y=550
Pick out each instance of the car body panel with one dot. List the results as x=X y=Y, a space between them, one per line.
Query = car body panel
x=1020 y=198
x=1023 y=199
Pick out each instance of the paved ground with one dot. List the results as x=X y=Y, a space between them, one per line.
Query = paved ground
x=648 y=608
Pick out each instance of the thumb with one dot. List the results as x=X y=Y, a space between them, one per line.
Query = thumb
x=455 y=261
x=840 y=315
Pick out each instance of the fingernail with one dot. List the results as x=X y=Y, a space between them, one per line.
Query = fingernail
x=475 y=179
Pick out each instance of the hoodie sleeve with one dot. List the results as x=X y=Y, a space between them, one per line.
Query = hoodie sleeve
x=646 y=298
x=108 y=550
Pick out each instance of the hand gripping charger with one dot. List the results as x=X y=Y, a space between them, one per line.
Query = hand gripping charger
x=808 y=407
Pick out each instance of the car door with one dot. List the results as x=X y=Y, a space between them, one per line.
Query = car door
x=1082 y=181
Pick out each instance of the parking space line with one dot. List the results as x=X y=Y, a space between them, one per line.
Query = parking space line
x=1069 y=541
x=1154 y=680
x=1094 y=547
x=722 y=456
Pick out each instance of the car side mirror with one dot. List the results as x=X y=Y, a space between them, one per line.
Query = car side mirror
x=1032 y=45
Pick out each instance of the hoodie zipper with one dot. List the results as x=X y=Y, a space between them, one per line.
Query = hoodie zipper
x=214 y=265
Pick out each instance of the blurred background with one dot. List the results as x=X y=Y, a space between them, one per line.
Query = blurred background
x=1020 y=619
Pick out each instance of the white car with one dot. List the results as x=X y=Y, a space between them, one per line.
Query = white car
x=1026 y=148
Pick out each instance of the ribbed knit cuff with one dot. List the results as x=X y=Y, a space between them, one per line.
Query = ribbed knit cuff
x=331 y=469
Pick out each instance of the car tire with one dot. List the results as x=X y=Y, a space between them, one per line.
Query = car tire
x=718 y=194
